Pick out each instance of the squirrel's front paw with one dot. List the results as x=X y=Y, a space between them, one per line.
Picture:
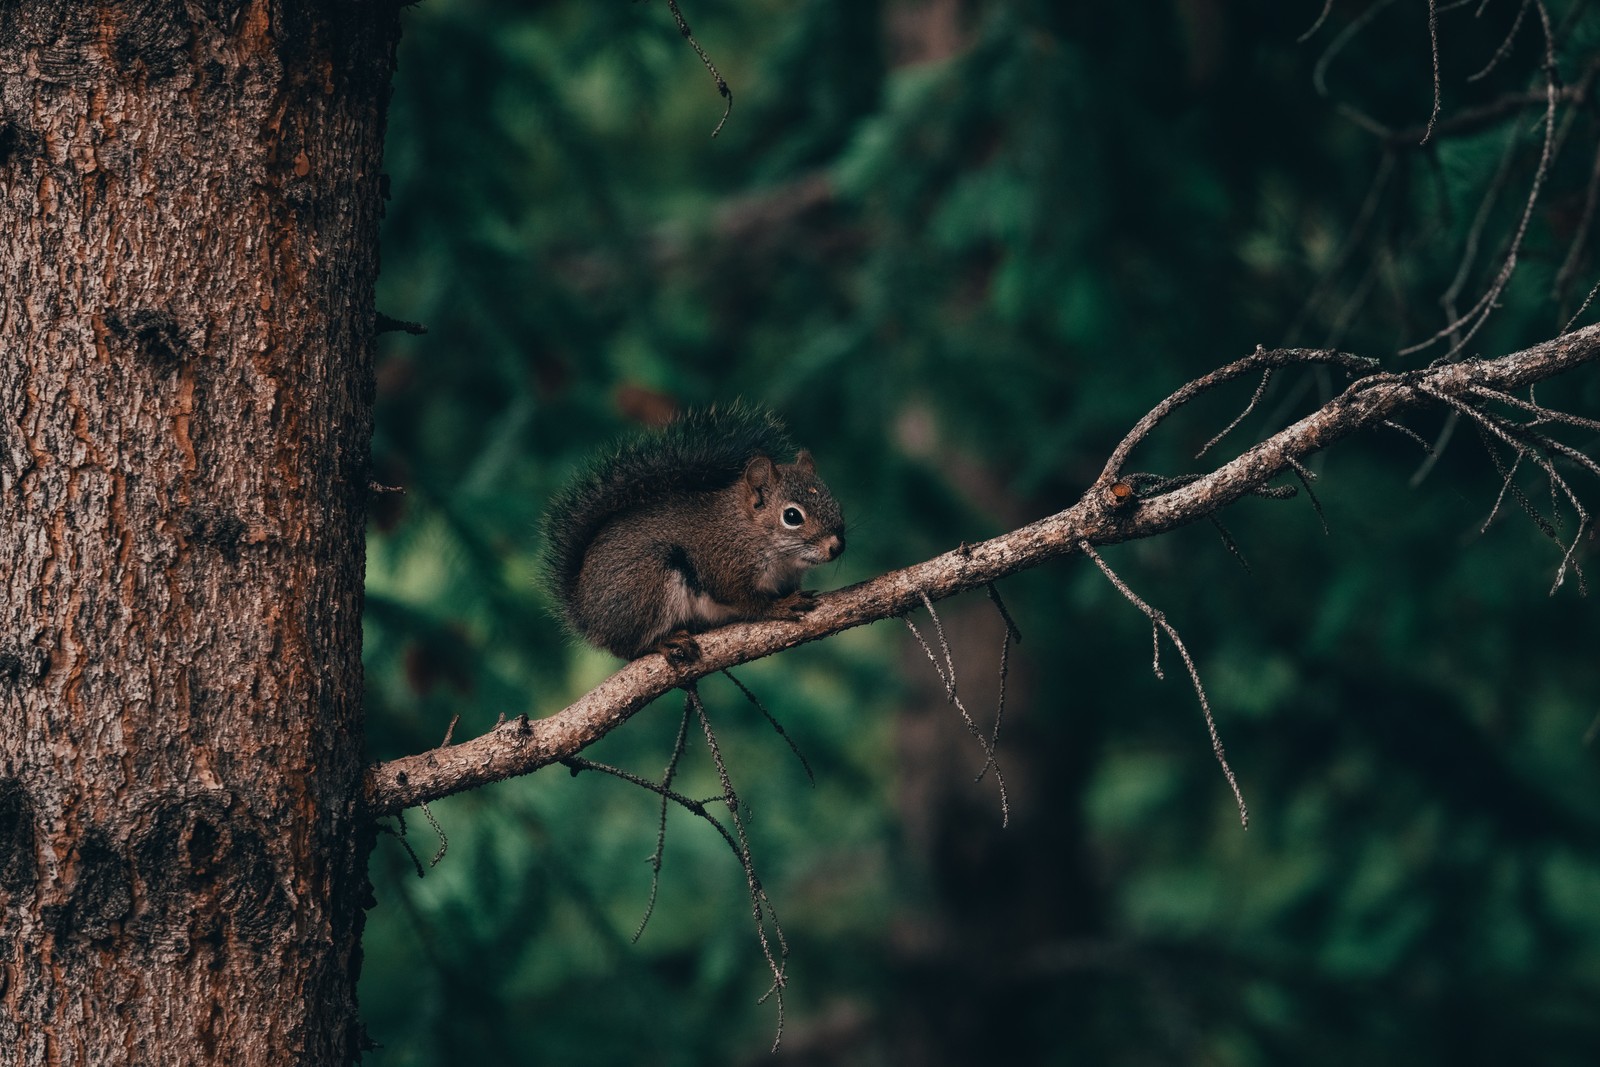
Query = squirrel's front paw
x=795 y=604
x=680 y=648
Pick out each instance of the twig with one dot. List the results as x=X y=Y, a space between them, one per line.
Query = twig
x=1255 y=398
x=661 y=829
x=1000 y=606
x=1469 y=253
x=1327 y=6
x=1512 y=436
x=716 y=75
x=399 y=834
x=1576 y=315
x=1481 y=311
x=1505 y=45
x=1507 y=474
x=1352 y=240
x=1406 y=431
x=735 y=841
x=1306 y=476
x=1580 y=235
x=577 y=764
x=805 y=765
x=760 y=904
x=1435 y=450
x=1157 y=618
x=444 y=842
x=947 y=675
x=1229 y=543
x=1541 y=413
x=1011 y=634
x=1319 y=73
x=388 y=324
x=1433 y=40
x=1261 y=359
x=1471 y=120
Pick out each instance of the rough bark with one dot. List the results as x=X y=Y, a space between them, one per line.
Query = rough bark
x=190 y=197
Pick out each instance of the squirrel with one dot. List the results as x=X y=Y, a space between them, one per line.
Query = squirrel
x=687 y=528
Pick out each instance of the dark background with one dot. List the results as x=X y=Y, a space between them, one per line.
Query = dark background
x=962 y=247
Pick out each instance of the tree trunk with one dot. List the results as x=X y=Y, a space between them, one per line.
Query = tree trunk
x=189 y=196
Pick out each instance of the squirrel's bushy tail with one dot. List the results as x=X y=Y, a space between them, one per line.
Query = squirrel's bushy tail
x=697 y=452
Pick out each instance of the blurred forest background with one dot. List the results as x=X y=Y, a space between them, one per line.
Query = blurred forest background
x=962 y=245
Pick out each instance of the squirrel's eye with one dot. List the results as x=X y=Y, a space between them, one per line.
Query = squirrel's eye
x=793 y=517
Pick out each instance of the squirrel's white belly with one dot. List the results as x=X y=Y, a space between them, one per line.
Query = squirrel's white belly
x=694 y=609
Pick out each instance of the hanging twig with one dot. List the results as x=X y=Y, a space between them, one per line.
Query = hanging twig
x=1327 y=6
x=1433 y=40
x=772 y=720
x=1532 y=448
x=760 y=904
x=1505 y=44
x=947 y=675
x=1580 y=236
x=444 y=842
x=1229 y=543
x=1319 y=73
x=1306 y=476
x=661 y=827
x=716 y=75
x=735 y=842
x=1354 y=237
x=1012 y=635
x=399 y=834
x=1480 y=312
x=1157 y=618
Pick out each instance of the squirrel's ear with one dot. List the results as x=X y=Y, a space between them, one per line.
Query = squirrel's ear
x=758 y=478
x=758 y=473
x=803 y=461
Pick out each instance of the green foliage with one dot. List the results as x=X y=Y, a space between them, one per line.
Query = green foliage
x=961 y=259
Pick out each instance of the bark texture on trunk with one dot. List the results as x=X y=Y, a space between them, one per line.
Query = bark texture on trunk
x=189 y=195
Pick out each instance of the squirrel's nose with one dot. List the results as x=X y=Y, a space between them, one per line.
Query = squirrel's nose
x=833 y=547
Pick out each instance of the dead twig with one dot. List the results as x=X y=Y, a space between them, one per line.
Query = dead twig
x=716 y=75
x=1012 y=635
x=1475 y=318
x=1433 y=41
x=947 y=676
x=760 y=904
x=1158 y=619
x=772 y=721
x=1261 y=359
x=661 y=828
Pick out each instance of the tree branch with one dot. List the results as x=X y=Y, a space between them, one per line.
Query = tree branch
x=1109 y=513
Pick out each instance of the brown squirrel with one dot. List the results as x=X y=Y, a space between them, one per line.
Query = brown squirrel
x=688 y=528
